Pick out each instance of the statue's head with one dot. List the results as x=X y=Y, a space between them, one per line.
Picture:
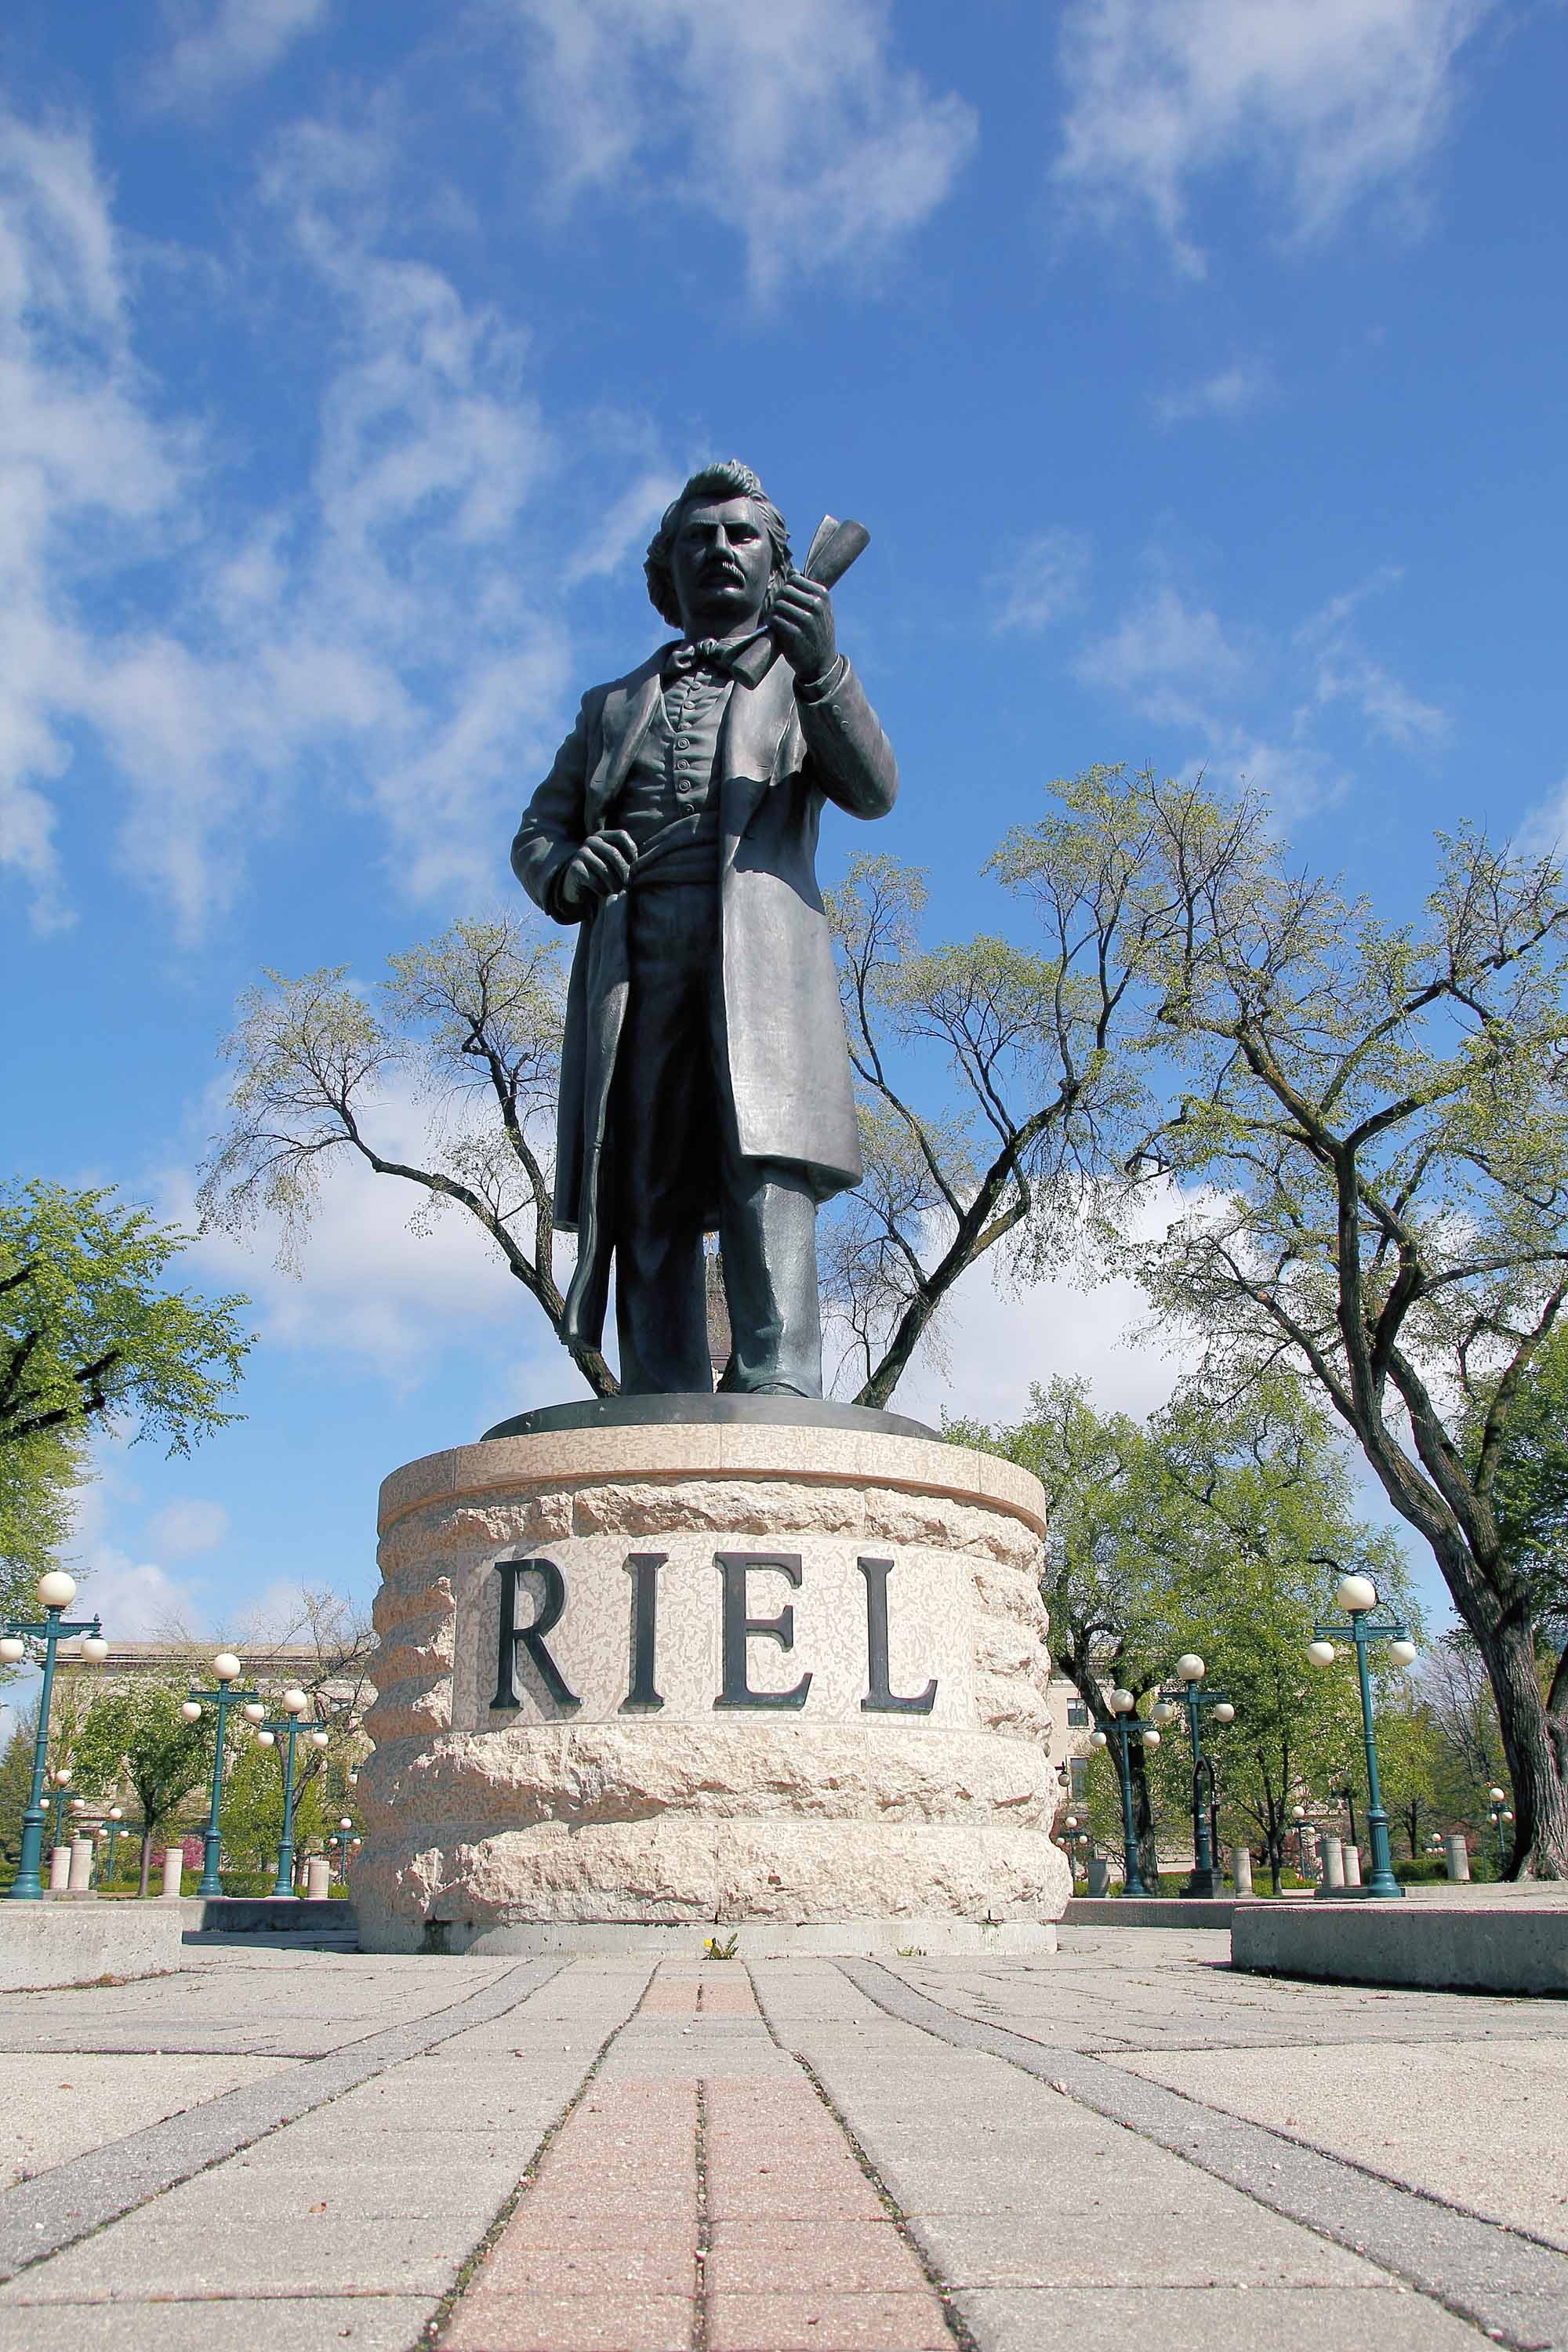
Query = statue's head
x=713 y=561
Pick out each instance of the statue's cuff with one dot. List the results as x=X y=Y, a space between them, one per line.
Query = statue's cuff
x=817 y=689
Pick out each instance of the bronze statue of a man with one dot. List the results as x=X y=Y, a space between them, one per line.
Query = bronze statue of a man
x=705 y=1081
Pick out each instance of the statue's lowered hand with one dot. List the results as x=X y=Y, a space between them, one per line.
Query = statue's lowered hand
x=597 y=870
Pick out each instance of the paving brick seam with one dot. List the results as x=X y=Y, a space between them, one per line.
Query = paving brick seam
x=107 y=2183
x=958 y=2326
x=440 y=2318
x=1468 y=2265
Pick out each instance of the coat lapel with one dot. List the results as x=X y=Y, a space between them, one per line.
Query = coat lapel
x=749 y=743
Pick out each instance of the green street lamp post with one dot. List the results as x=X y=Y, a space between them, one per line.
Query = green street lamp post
x=345 y=1842
x=1207 y=1879
x=1123 y=1705
x=116 y=1819
x=1368 y=1620
x=293 y=1704
x=56 y=1592
x=1298 y=1818
x=1500 y=1813
x=62 y=1800
x=226 y=1672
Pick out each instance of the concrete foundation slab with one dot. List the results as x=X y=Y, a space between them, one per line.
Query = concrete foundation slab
x=1502 y=1946
x=756 y=1939
x=47 y=1943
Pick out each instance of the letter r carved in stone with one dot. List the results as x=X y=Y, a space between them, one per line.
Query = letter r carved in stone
x=552 y=1602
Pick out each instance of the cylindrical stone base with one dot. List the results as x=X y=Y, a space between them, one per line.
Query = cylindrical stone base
x=1457 y=1857
x=785 y=1680
x=173 y=1872
x=1241 y=1868
x=59 y=1869
x=1333 y=1859
x=1351 y=1862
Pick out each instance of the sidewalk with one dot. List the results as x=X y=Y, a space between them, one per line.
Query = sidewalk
x=1123 y=2142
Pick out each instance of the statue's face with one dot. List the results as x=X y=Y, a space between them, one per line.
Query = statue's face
x=721 y=563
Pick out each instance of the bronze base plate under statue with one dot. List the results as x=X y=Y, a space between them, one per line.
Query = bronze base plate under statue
x=654 y=1670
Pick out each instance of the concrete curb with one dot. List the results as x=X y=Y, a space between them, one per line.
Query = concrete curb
x=1495 y=1947
x=1148 y=1911
x=45 y=1943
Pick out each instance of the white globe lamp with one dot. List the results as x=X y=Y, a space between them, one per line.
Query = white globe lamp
x=226 y=1666
x=1320 y=1653
x=1356 y=1594
x=1190 y=1667
x=56 y=1591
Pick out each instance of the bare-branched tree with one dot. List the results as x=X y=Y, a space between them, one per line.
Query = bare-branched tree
x=471 y=1024
x=999 y=1086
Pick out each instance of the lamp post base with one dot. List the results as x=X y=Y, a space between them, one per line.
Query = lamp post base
x=1204 y=1885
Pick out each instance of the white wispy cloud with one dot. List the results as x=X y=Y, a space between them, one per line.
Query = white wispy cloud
x=1231 y=696
x=217 y=48
x=1167 y=656
x=1543 y=829
x=1043 y=581
x=385 y=632
x=185 y=1529
x=1324 y=102
x=997 y=1341
x=1346 y=673
x=795 y=127
x=85 y=469
x=1229 y=392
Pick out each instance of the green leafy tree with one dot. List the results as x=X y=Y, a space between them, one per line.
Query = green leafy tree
x=1412 y=1762
x=16 y=1781
x=1106 y=1590
x=136 y=1735
x=90 y=1328
x=1220 y=1527
x=38 y=1479
x=1370 y=1125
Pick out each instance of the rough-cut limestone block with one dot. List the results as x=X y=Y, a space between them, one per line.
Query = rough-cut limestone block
x=597 y=1808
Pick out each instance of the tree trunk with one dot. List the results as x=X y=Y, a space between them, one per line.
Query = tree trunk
x=1534 y=1765
x=146 y=1857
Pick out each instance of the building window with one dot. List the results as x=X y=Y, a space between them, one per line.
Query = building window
x=1078 y=1776
x=1077 y=1713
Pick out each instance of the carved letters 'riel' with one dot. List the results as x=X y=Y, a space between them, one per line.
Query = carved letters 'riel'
x=779 y=1678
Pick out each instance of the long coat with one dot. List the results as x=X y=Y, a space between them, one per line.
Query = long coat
x=779 y=758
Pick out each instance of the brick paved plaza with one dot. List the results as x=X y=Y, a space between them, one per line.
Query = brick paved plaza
x=1125 y=2144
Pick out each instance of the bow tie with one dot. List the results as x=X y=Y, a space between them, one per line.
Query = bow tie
x=684 y=660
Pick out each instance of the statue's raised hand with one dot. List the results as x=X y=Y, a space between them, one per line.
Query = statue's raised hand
x=801 y=620
x=596 y=870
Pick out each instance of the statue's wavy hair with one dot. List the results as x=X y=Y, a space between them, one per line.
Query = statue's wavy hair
x=727 y=479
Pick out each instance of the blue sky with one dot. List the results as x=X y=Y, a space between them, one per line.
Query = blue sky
x=1197 y=366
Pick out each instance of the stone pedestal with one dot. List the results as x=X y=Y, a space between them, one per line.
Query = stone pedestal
x=743 y=1672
